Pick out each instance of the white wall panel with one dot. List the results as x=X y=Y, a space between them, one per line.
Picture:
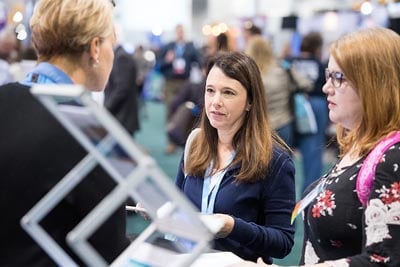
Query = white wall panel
x=139 y=16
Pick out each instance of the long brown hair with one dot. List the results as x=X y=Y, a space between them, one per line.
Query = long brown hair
x=370 y=61
x=254 y=141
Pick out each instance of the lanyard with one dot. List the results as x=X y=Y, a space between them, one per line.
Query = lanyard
x=208 y=196
x=303 y=203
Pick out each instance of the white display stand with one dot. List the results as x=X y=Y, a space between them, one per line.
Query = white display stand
x=176 y=235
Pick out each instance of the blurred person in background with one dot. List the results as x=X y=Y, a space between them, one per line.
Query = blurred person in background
x=74 y=42
x=8 y=46
x=27 y=62
x=187 y=107
x=312 y=146
x=144 y=65
x=175 y=61
x=216 y=43
x=249 y=31
x=278 y=86
x=121 y=95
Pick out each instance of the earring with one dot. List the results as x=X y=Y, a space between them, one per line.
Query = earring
x=96 y=63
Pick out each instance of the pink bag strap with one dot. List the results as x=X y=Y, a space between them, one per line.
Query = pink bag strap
x=366 y=175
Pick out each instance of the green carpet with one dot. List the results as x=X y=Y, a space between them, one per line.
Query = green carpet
x=153 y=139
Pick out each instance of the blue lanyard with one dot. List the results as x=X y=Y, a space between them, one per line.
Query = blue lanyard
x=208 y=196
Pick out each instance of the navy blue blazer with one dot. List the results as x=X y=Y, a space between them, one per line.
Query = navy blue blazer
x=261 y=210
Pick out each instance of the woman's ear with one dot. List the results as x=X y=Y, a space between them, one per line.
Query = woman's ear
x=94 y=50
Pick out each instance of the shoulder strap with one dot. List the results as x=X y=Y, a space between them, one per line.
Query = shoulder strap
x=189 y=141
x=290 y=75
x=366 y=175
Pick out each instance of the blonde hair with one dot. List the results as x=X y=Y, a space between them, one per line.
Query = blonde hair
x=66 y=27
x=370 y=61
x=261 y=51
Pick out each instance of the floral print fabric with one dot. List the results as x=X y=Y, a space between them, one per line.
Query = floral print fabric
x=340 y=232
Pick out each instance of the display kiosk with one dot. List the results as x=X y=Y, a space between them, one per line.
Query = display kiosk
x=176 y=235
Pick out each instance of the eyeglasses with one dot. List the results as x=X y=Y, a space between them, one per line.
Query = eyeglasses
x=336 y=77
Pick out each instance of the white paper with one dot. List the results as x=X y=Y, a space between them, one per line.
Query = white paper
x=217 y=259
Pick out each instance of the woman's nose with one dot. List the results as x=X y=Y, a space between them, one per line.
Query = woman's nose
x=327 y=88
x=217 y=99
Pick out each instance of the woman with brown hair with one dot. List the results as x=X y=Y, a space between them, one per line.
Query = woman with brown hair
x=237 y=168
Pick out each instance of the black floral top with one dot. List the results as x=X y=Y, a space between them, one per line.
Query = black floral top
x=339 y=231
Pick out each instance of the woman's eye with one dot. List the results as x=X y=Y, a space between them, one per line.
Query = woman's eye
x=209 y=90
x=228 y=92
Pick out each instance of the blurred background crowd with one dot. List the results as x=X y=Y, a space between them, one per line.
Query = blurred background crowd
x=145 y=27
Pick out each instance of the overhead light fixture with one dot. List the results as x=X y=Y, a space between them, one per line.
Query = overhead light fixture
x=366 y=8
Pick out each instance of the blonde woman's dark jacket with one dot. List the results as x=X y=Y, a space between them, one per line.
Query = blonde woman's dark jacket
x=35 y=153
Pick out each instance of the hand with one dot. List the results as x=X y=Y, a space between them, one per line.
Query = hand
x=227 y=228
x=169 y=56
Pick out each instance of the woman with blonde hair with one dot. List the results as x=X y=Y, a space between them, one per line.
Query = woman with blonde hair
x=74 y=42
